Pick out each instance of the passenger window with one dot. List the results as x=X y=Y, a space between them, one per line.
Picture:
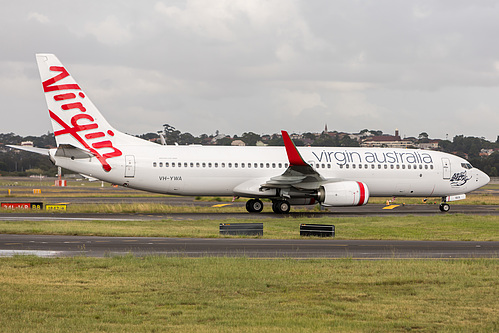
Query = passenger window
x=235 y=165
x=167 y=164
x=403 y=166
x=386 y=166
x=426 y=166
x=353 y=166
x=420 y=166
x=341 y=166
x=273 y=165
x=192 y=165
x=379 y=166
x=204 y=165
x=185 y=165
x=372 y=166
x=360 y=166
x=197 y=164
x=408 y=166
x=223 y=165
x=249 y=165
x=255 y=165
x=209 y=165
x=160 y=164
x=286 y=165
x=431 y=166
x=398 y=166
x=261 y=165
x=173 y=164
x=216 y=165
x=242 y=165
x=154 y=164
x=347 y=166
x=323 y=166
x=267 y=165
x=229 y=165
x=280 y=165
x=391 y=166
x=179 y=164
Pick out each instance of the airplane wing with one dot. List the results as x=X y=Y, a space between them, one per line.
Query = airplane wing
x=299 y=174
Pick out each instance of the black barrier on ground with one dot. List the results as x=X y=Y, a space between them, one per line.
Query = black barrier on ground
x=247 y=229
x=320 y=230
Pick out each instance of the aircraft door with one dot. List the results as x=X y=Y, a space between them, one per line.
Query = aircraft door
x=446 y=168
x=129 y=166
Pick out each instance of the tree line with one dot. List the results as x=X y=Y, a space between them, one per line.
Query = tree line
x=20 y=163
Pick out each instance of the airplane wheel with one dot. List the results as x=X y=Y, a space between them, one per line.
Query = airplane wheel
x=281 y=206
x=444 y=207
x=274 y=207
x=254 y=205
x=249 y=204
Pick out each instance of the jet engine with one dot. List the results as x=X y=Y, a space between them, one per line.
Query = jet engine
x=344 y=193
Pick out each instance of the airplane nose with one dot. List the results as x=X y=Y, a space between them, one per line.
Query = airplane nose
x=483 y=178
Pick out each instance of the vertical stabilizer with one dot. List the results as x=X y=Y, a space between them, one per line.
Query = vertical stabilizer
x=75 y=119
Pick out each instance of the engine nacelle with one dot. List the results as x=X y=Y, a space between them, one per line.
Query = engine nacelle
x=344 y=193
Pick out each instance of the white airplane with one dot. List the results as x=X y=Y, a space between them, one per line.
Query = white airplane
x=330 y=176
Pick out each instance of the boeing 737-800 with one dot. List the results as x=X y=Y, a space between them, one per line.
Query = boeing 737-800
x=329 y=176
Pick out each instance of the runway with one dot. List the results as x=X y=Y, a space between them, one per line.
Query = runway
x=61 y=246
x=337 y=212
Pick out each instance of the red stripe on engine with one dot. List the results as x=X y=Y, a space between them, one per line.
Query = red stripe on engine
x=362 y=194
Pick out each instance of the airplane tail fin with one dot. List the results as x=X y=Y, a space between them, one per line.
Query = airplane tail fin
x=75 y=119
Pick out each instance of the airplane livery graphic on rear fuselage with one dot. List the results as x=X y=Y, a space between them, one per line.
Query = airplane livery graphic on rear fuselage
x=330 y=176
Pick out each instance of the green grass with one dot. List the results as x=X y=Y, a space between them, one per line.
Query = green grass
x=443 y=227
x=157 y=294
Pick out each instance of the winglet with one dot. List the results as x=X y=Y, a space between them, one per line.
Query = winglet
x=294 y=156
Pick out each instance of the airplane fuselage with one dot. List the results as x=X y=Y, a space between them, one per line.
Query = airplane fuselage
x=218 y=170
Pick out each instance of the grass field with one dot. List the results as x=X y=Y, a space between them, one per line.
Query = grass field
x=157 y=294
x=440 y=227
x=154 y=294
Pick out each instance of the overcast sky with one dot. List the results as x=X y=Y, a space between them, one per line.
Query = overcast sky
x=260 y=65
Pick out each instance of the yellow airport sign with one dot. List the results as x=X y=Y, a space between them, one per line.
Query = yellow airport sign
x=55 y=207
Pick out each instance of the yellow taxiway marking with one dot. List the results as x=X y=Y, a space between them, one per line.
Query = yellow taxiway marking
x=220 y=205
x=13 y=244
x=391 y=206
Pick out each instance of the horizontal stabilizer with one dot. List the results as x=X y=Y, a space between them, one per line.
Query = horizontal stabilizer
x=72 y=152
x=41 y=151
x=89 y=178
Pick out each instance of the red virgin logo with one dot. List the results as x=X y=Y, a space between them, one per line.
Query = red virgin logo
x=81 y=121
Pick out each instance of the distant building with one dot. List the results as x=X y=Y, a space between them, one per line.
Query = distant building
x=389 y=141
x=27 y=143
x=431 y=145
x=238 y=143
x=487 y=152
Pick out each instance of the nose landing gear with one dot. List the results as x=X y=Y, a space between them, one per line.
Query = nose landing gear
x=444 y=206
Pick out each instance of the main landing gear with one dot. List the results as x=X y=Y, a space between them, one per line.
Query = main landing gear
x=281 y=206
x=278 y=206
x=254 y=205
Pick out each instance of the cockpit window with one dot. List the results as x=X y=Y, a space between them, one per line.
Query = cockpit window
x=466 y=165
